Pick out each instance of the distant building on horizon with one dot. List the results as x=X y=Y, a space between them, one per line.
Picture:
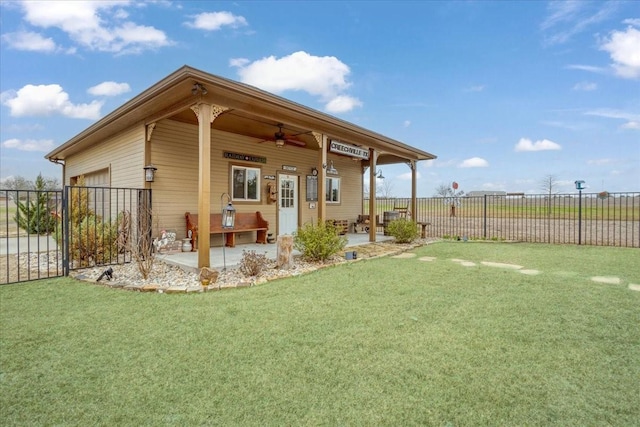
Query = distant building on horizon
x=486 y=193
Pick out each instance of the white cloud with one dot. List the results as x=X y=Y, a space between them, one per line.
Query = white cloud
x=569 y=18
x=29 y=41
x=238 y=62
x=632 y=119
x=585 y=86
x=632 y=21
x=406 y=123
x=342 y=103
x=109 y=89
x=477 y=88
x=624 y=49
x=84 y=23
x=47 y=100
x=213 y=21
x=322 y=76
x=526 y=144
x=599 y=162
x=474 y=162
x=631 y=125
x=589 y=68
x=407 y=176
x=439 y=163
x=29 y=144
x=559 y=12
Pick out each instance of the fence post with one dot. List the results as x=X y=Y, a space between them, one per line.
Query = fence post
x=485 y=218
x=579 y=217
x=65 y=230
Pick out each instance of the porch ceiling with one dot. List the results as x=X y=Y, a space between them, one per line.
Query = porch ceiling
x=251 y=112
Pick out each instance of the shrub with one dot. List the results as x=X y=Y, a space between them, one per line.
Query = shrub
x=318 y=242
x=34 y=216
x=404 y=230
x=252 y=263
x=91 y=240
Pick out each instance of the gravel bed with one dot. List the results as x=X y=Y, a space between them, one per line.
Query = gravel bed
x=166 y=278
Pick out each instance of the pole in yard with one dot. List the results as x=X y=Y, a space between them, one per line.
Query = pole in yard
x=579 y=187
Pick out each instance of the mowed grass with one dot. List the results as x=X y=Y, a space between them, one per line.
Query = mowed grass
x=375 y=342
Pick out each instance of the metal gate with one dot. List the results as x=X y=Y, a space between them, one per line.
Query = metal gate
x=48 y=233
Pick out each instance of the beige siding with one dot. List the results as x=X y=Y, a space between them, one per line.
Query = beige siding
x=350 y=174
x=121 y=155
x=174 y=151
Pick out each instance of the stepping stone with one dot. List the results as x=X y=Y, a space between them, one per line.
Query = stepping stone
x=463 y=262
x=427 y=258
x=404 y=255
x=634 y=287
x=501 y=265
x=607 y=279
x=530 y=272
x=176 y=289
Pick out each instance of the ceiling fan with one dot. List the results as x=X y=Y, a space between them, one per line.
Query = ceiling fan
x=280 y=138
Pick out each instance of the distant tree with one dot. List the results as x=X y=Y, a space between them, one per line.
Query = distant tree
x=15 y=184
x=34 y=214
x=19 y=183
x=385 y=189
x=449 y=196
x=549 y=184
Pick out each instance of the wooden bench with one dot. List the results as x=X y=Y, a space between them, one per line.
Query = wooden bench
x=248 y=221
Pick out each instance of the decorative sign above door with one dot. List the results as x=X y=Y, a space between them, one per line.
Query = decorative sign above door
x=245 y=157
x=348 y=150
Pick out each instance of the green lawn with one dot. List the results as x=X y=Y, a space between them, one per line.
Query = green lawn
x=374 y=342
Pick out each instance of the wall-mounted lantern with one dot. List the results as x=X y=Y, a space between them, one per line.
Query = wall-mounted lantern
x=149 y=172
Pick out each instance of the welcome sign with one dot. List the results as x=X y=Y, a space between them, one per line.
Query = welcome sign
x=348 y=150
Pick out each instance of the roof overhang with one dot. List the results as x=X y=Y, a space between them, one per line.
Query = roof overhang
x=251 y=112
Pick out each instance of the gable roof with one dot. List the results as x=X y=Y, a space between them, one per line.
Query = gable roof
x=251 y=111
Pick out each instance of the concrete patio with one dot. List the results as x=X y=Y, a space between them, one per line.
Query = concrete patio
x=231 y=257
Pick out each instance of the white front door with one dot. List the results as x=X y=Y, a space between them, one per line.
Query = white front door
x=287 y=204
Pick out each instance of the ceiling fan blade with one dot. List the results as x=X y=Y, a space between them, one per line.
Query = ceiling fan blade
x=295 y=142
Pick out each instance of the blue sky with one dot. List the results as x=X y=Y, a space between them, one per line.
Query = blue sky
x=504 y=93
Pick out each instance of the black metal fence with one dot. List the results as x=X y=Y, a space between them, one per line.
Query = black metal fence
x=48 y=233
x=604 y=219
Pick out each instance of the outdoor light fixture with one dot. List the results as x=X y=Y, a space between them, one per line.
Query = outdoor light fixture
x=228 y=212
x=379 y=174
x=149 y=172
x=228 y=221
x=198 y=87
x=279 y=137
x=332 y=169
